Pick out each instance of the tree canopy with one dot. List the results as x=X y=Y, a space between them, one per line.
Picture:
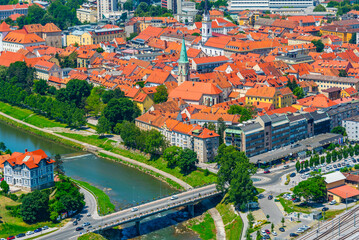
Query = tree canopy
x=320 y=8
x=319 y=45
x=246 y=112
x=161 y=94
x=313 y=189
x=339 y=130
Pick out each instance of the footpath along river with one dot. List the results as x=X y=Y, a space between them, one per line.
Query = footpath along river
x=124 y=185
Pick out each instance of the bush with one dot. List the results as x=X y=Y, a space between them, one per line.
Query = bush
x=13 y=197
x=356 y=166
x=288 y=180
x=206 y=172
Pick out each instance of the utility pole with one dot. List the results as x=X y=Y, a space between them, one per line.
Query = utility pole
x=339 y=226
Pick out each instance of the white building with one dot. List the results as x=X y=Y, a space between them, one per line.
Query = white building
x=29 y=171
x=16 y=40
x=239 y=5
x=105 y=7
x=352 y=127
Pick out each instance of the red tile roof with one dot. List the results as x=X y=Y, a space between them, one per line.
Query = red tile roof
x=204 y=60
x=344 y=191
x=30 y=159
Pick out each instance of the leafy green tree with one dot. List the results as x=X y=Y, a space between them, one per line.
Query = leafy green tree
x=258 y=236
x=161 y=94
x=20 y=75
x=141 y=9
x=34 y=207
x=128 y=5
x=77 y=91
x=322 y=159
x=343 y=73
x=306 y=164
x=172 y=156
x=319 y=45
x=353 y=39
x=339 y=130
x=198 y=18
x=187 y=161
x=94 y=104
x=320 y=8
x=119 y=110
x=4 y=187
x=311 y=189
x=221 y=127
x=100 y=50
x=299 y=92
x=282 y=221
x=297 y=166
x=2 y=146
x=235 y=171
x=41 y=87
x=246 y=112
x=112 y=94
x=155 y=142
x=103 y=126
x=58 y=165
x=130 y=134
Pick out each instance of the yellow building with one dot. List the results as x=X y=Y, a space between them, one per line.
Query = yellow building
x=348 y=92
x=143 y=102
x=345 y=33
x=279 y=98
x=87 y=15
x=79 y=37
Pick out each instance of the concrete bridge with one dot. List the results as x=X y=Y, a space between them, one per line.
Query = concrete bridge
x=187 y=198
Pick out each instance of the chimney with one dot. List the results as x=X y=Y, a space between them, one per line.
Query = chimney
x=26 y=150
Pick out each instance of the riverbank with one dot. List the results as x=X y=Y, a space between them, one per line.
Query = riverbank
x=98 y=150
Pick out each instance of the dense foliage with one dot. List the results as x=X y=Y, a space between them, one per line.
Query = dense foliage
x=16 y=88
x=296 y=89
x=246 y=112
x=185 y=159
x=61 y=13
x=313 y=189
x=38 y=206
x=146 y=10
x=161 y=94
x=235 y=175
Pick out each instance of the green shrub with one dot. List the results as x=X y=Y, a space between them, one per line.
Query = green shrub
x=288 y=180
x=13 y=197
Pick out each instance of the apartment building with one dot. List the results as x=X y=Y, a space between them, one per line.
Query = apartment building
x=325 y=82
x=50 y=33
x=45 y=70
x=16 y=40
x=341 y=111
x=277 y=97
x=20 y=8
x=29 y=171
x=269 y=132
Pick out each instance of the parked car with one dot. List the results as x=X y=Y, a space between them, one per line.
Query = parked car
x=334 y=166
x=260 y=196
x=45 y=227
x=296 y=200
x=286 y=166
x=300 y=230
x=266 y=171
x=305 y=227
x=274 y=233
x=325 y=209
x=11 y=237
x=292 y=175
x=263 y=232
x=134 y=209
x=79 y=229
x=37 y=230
x=75 y=223
x=270 y=197
x=293 y=235
x=267 y=231
x=282 y=229
x=29 y=233
x=89 y=214
x=354 y=161
x=174 y=197
x=20 y=235
x=333 y=202
x=2 y=239
x=90 y=227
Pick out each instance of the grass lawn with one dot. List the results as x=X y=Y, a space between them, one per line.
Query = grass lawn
x=11 y=226
x=206 y=228
x=29 y=116
x=103 y=201
x=290 y=207
x=91 y=236
x=233 y=223
x=260 y=190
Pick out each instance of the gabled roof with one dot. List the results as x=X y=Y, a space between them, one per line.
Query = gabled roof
x=4 y=27
x=22 y=38
x=267 y=92
x=158 y=76
x=333 y=177
x=30 y=159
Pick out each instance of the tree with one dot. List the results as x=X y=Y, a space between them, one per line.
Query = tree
x=353 y=39
x=2 y=146
x=282 y=221
x=306 y=164
x=94 y=104
x=130 y=134
x=172 y=155
x=103 y=126
x=343 y=73
x=220 y=130
x=111 y=94
x=187 y=161
x=76 y=92
x=128 y=5
x=4 y=186
x=161 y=94
x=319 y=45
x=246 y=112
x=272 y=227
x=100 y=50
x=258 y=236
x=297 y=166
x=34 y=207
x=198 y=18
x=58 y=165
x=20 y=75
x=299 y=92
x=322 y=159
x=155 y=142
x=320 y=8
x=311 y=189
x=41 y=87
x=339 y=130
x=119 y=110
x=236 y=172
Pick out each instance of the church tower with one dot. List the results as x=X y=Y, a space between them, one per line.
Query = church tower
x=206 y=25
x=183 y=65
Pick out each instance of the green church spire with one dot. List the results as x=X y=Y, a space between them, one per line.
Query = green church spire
x=183 y=57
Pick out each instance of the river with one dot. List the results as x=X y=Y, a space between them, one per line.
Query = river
x=123 y=184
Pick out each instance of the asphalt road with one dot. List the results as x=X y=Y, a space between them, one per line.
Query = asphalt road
x=274 y=176
x=270 y=208
x=69 y=231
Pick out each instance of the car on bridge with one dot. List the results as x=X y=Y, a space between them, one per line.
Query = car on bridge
x=174 y=197
x=134 y=209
